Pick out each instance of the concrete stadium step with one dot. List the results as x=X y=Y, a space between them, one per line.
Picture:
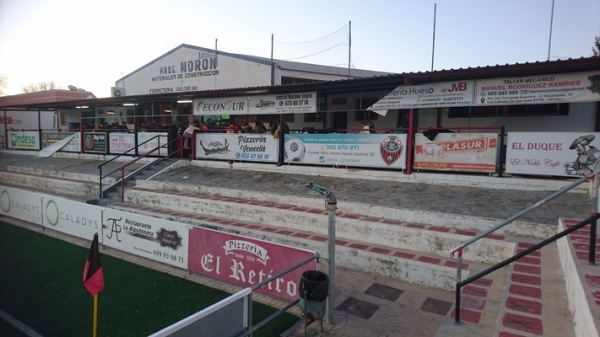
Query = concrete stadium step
x=68 y=184
x=352 y=227
x=527 y=298
x=416 y=267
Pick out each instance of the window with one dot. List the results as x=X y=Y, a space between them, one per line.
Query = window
x=360 y=112
x=510 y=110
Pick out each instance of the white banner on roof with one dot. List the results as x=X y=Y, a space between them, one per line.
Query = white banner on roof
x=304 y=102
x=433 y=95
x=543 y=89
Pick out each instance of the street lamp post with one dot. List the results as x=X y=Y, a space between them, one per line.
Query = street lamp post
x=331 y=206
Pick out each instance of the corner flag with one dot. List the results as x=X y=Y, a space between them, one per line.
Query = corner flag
x=93 y=277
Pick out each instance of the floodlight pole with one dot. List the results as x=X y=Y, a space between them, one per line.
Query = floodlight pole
x=331 y=206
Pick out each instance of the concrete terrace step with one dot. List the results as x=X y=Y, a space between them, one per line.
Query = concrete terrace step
x=527 y=298
x=411 y=266
x=352 y=227
x=68 y=185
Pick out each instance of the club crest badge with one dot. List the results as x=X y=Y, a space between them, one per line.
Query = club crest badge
x=390 y=149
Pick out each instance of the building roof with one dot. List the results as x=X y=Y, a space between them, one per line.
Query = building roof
x=375 y=83
x=286 y=65
x=47 y=96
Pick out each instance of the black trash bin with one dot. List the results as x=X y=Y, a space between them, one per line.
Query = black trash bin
x=315 y=284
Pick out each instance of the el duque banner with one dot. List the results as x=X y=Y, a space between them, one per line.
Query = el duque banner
x=553 y=153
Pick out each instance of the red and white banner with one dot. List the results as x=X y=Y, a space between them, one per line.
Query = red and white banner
x=245 y=261
x=145 y=146
x=121 y=142
x=475 y=152
x=553 y=153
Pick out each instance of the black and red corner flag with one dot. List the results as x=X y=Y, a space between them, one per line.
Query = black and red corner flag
x=93 y=277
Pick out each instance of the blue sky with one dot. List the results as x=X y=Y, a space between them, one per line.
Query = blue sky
x=91 y=44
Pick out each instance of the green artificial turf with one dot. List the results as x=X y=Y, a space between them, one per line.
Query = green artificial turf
x=41 y=285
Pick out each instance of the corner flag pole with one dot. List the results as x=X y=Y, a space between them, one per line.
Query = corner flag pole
x=95 y=324
x=93 y=279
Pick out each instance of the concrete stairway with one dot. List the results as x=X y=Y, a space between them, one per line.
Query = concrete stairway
x=528 y=298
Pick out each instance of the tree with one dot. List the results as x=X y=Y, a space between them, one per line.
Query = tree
x=42 y=86
x=596 y=48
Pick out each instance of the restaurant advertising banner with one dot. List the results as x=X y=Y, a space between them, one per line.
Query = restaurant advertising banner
x=369 y=150
x=145 y=146
x=71 y=217
x=473 y=152
x=119 y=142
x=237 y=146
x=283 y=104
x=433 y=95
x=22 y=205
x=149 y=237
x=244 y=261
x=553 y=153
x=559 y=88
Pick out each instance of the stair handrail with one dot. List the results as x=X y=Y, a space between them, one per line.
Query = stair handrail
x=121 y=168
x=459 y=250
x=593 y=219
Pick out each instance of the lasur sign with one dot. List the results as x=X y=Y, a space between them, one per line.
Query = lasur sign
x=246 y=262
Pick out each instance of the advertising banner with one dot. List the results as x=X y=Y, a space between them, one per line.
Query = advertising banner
x=72 y=217
x=163 y=139
x=283 y=104
x=553 y=153
x=245 y=261
x=237 y=146
x=74 y=145
x=433 y=95
x=152 y=238
x=474 y=152
x=95 y=142
x=52 y=137
x=221 y=106
x=369 y=150
x=21 y=205
x=121 y=142
x=23 y=140
x=560 y=88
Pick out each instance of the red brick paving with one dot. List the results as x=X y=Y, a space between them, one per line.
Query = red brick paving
x=525 y=291
x=523 y=323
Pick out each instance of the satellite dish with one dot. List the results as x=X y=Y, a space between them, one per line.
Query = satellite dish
x=72 y=87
